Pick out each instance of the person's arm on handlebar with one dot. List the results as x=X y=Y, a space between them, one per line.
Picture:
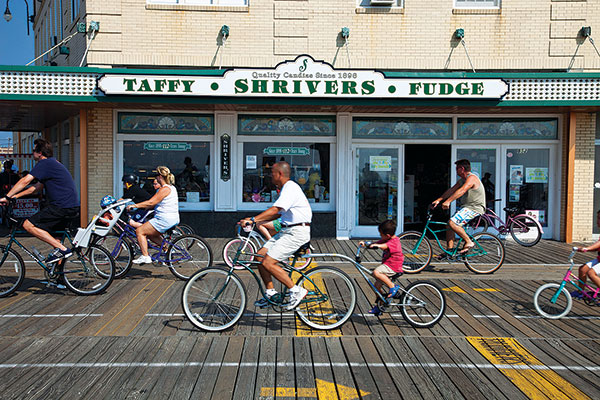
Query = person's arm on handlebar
x=593 y=247
x=20 y=189
x=269 y=214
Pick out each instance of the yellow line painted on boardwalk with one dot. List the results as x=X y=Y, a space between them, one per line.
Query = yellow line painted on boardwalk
x=15 y=300
x=454 y=289
x=485 y=290
x=149 y=308
x=303 y=330
x=535 y=383
x=325 y=390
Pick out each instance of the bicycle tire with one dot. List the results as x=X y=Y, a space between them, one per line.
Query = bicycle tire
x=542 y=300
x=331 y=303
x=88 y=271
x=186 y=229
x=424 y=304
x=487 y=255
x=525 y=230
x=479 y=222
x=12 y=271
x=188 y=254
x=230 y=250
x=415 y=258
x=120 y=250
x=199 y=299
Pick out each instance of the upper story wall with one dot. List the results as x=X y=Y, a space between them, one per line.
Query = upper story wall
x=414 y=35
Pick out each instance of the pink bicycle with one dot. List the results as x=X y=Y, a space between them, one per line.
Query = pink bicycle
x=524 y=229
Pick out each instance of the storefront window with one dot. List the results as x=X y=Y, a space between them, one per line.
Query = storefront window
x=513 y=128
x=309 y=163
x=401 y=128
x=527 y=182
x=188 y=161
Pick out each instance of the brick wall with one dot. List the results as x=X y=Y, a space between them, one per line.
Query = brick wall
x=100 y=156
x=583 y=211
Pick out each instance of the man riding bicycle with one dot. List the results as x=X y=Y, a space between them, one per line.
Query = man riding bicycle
x=472 y=194
x=296 y=216
x=61 y=194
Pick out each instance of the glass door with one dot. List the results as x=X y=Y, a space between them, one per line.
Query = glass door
x=376 y=188
x=484 y=165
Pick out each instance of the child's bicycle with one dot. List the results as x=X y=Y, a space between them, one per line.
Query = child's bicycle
x=249 y=244
x=553 y=300
x=182 y=254
x=215 y=298
x=485 y=258
x=524 y=229
x=90 y=270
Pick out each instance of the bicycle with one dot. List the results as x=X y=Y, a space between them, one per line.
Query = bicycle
x=524 y=229
x=248 y=245
x=183 y=254
x=214 y=299
x=553 y=300
x=485 y=258
x=89 y=271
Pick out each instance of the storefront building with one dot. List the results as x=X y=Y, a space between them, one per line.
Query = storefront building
x=370 y=141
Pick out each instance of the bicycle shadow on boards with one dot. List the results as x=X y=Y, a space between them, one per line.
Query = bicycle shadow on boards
x=265 y=322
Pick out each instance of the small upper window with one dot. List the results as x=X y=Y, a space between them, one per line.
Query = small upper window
x=202 y=2
x=380 y=3
x=476 y=3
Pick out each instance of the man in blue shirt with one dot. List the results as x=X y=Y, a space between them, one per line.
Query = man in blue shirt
x=62 y=200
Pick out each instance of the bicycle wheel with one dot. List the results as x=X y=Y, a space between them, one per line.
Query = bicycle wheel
x=423 y=304
x=120 y=250
x=417 y=252
x=551 y=301
x=525 y=231
x=214 y=299
x=187 y=255
x=231 y=248
x=89 y=270
x=12 y=271
x=186 y=229
x=487 y=255
x=478 y=223
x=330 y=300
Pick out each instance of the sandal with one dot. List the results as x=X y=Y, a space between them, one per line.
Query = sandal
x=466 y=248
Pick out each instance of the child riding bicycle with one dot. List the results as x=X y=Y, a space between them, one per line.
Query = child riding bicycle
x=591 y=269
x=391 y=263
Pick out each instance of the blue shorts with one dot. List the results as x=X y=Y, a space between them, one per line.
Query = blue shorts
x=163 y=223
x=462 y=216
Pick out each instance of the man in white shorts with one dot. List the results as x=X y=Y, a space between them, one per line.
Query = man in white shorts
x=296 y=216
x=471 y=192
x=590 y=269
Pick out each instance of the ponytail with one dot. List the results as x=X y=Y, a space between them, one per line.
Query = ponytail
x=166 y=174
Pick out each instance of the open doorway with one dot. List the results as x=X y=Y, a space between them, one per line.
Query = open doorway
x=426 y=177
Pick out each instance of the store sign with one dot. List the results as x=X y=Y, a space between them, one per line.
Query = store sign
x=25 y=208
x=170 y=146
x=380 y=163
x=303 y=77
x=225 y=157
x=286 y=151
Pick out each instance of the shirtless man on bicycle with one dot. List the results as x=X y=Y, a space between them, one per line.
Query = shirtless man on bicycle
x=471 y=192
x=296 y=216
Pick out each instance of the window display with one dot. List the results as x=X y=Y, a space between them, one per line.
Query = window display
x=309 y=163
x=188 y=161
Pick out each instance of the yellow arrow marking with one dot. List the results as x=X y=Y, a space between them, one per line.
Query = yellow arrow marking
x=303 y=330
x=485 y=290
x=509 y=355
x=454 y=289
x=326 y=391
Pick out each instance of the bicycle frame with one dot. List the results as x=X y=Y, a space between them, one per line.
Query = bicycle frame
x=503 y=227
x=127 y=231
x=574 y=280
x=454 y=251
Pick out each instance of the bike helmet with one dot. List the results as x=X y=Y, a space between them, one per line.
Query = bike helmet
x=130 y=178
x=107 y=201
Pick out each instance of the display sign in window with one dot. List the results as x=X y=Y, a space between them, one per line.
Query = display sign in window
x=309 y=164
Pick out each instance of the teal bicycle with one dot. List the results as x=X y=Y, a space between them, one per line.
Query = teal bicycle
x=485 y=258
x=214 y=298
x=90 y=270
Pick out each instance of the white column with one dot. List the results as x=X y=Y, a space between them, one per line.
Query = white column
x=224 y=191
x=345 y=186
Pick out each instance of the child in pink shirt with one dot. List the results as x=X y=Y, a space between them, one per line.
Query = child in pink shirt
x=391 y=263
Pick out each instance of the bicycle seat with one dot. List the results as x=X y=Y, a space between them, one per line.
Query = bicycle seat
x=511 y=210
x=170 y=231
x=302 y=249
x=396 y=276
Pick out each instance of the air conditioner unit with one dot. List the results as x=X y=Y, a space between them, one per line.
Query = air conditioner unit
x=382 y=2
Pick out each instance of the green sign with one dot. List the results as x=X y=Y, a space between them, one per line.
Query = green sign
x=168 y=146
x=287 y=151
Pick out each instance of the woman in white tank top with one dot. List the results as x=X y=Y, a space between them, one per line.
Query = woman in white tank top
x=166 y=213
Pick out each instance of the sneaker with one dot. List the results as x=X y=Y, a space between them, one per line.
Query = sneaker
x=576 y=294
x=296 y=297
x=375 y=311
x=394 y=291
x=143 y=260
x=58 y=254
x=262 y=302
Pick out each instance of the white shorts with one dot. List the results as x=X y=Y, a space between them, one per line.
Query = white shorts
x=283 y=245
x=594 y=264
x=462 y=216
x=163 y=223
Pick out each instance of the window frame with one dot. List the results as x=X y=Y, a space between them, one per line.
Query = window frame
x=203 y=3
x=361 y=4
x=478 y=4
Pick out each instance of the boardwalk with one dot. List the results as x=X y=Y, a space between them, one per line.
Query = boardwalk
x=133 y=342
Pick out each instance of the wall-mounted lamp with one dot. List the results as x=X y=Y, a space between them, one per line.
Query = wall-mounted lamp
x=458 y=36
x=585 y=31
x=225 y=31
x=29 y=18
x=459 y=33
x=586 y=34
x=345 y=33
